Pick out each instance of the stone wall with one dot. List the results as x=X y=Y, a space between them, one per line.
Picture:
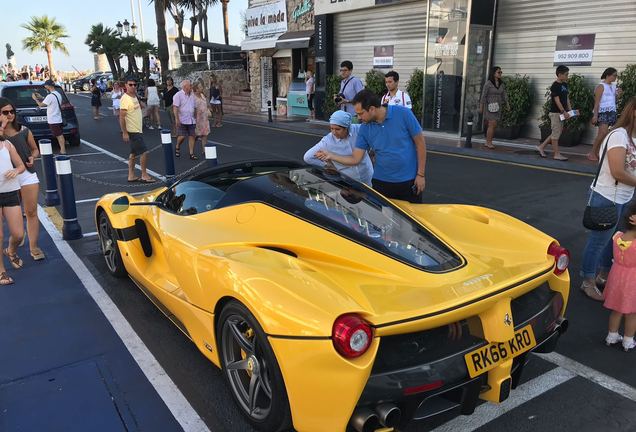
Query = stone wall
x=232 y=81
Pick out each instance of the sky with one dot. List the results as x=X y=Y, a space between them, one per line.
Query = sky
x=77 y=16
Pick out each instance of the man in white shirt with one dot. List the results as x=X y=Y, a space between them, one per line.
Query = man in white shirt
x=53 y=104
x=393 y=95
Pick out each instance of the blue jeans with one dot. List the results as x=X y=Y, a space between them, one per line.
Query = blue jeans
x=597 y=255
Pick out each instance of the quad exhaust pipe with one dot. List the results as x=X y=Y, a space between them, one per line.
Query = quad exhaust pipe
x=366 y=420
x=562 y=325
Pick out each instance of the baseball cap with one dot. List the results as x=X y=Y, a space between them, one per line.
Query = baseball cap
x=49 y=82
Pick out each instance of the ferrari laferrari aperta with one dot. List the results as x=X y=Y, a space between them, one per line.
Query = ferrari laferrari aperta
x=332 y=308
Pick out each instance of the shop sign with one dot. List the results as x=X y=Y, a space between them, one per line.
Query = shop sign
x=446 y=49
x=321 y=38
x=302 y=9
x=268 y=19
x=574 y=50
x=336 y=6
x=382 y=56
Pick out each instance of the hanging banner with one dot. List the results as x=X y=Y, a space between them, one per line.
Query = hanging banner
x=267 y=19
x=574 y=50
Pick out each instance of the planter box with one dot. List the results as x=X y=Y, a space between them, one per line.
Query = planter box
x=569 y=138
x=508 y=132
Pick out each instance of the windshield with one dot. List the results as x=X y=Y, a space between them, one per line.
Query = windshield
x=348 y=208
x=21 y=95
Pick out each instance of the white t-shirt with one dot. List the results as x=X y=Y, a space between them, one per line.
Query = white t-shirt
x=606 y=184
x=401 y=98
x=116 y=97
x=53 y=108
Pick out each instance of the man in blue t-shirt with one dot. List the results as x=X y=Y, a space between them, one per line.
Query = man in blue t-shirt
x=396 y=136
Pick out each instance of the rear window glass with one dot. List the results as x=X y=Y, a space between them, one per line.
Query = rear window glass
x=21 y=95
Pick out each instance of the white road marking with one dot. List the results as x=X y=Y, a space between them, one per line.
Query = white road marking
x=98 y=198
x=489 y=411
x=178 y=405
x=590 y=374
x=219 y=143
x=121 y=159
x=90 y=234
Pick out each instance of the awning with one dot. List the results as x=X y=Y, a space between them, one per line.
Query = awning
x=282 y=53
x=259 y=43
x=297 y=39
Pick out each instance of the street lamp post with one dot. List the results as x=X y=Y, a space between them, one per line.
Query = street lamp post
x=126 y=27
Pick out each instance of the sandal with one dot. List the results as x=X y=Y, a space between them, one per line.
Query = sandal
x=14 y=259
x=37 y=254
x=541 y=152
x=194 y=157
x=5 y=279
x=490 y=147
x=177 y=152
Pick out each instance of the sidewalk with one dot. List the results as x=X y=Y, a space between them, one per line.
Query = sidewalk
x=520 y=151
x=62 y=365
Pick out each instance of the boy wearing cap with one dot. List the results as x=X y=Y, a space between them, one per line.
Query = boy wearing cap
x=53 y=104
x=341 y=141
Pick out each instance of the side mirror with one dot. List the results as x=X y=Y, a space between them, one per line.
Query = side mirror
x=121 y=204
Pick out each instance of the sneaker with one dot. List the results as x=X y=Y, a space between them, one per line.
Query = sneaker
x=628 y=346
x=592 y=291
x=150 y=127
x=613 y=339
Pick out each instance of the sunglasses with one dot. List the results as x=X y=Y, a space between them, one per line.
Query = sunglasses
x=7 y=112
x=131 y=85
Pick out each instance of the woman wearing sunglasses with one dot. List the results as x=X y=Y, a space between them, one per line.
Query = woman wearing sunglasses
x=24 y=143
x=11 y=166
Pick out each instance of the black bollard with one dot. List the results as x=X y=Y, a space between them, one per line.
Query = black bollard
x=52 y=198
x=469 y=132
x=269 y=112
x=168 y=153
x=71 y=229
x=210 y=155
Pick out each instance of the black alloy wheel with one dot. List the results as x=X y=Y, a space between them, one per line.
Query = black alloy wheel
x=251 y=370
x=110 y=250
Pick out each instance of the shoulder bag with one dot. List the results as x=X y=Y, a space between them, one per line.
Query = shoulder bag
x=601 y=218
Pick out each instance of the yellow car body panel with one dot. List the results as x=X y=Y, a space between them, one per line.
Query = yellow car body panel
x=200 y=260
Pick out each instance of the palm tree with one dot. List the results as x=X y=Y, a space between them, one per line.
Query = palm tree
x=225 y=21
x=104 y=40
x=45 y=36
x=162 y=41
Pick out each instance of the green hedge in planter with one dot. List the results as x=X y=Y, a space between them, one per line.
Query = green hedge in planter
x=375 y=82
x=519 y=101
x=332 y=89
x=415 y=89
x=581 y=98
x=627 y=82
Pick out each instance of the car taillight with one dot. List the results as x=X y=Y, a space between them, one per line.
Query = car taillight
x=561 y=257
x=351 y=336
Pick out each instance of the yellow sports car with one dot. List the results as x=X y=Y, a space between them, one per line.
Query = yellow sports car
x=331 y=308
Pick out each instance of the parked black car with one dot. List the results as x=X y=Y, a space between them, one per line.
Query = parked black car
x=34 y=117
x=84 y=83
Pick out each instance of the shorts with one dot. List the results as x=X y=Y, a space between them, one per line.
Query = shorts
x=57 y=129
x=9 y=199
x=28 y=178
x=137 y=144
x=556 y=125
x=186 y=130
x=608 y=117
x=401 y=190
x=310 y=102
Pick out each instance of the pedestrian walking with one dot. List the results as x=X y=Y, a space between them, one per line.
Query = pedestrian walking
x=395 y=96
x=396 y=136
x=341 y=141
x=310 y=89
x=24 y=143
x=96 y=99
x=183 y=105
x=605 y=95
x=216 y=105
x=202 y=128
x=560 y=106
x=152 y=100
x=620 y=290
x=168 y=95
x=130 y=121
x=615 y=184
x=349 y=87
x=53 y=104
x=493 y=98
x=115 y=96
x=11 y=167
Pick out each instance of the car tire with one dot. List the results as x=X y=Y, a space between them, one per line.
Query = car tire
x=251 y=370
x=110 y=249
x=85 y=87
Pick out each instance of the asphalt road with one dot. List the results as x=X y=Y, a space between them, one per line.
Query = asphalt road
x=549 y=200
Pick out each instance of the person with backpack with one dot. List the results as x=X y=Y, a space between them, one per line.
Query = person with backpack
x=395 y=96
x=53 y=104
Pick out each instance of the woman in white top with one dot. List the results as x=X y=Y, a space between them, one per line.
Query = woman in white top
x=116 y=95
x=615 y=185
x=605 y=95
x=9 y=199
x=342 y=141
x=152 y=100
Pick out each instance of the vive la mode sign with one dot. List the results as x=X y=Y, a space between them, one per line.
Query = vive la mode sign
x=268 y=19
